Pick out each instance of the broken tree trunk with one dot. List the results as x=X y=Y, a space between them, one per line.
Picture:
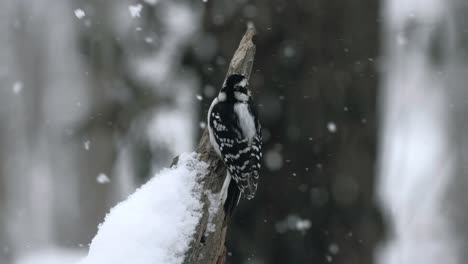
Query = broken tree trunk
x=210 y=234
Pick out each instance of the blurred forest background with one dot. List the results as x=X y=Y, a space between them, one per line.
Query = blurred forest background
x=96 y=96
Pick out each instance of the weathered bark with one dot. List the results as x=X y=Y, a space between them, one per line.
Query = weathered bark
x=208 y=245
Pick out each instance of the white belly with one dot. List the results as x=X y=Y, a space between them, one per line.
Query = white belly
x=246 y=121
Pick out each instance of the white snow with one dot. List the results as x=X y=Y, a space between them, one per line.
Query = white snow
x=293 y=223
x=79 y=13
x=156 y=223
x=273 y=159
x=303 y=225
x=149 y=40
x=334 y=248
x=102 y=178
x=289 y=51
x=86 y=144
x=331 y=127
x=17 y=87
x=135 y=10
x=215 y=201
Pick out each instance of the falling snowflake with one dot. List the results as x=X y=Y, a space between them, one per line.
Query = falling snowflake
x=331 y=127
x=149 y=40
x=79 y=13
x=87 y=144
x=303 y=225
x=273 y=160
x=135 y=10
x=293 y=223
x=334 y=248
x=102 y=179
x=289 y=51
x=199 y=97
x=17 y=87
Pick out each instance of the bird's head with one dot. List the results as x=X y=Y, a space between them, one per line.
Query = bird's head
x=235 y=88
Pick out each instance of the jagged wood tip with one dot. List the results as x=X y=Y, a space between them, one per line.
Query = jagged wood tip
x=242 y=61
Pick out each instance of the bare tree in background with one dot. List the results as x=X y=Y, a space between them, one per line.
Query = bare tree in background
x=42 y=100
x=86 y=88
x=422 y=164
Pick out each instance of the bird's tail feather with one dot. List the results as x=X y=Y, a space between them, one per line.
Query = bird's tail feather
x=232 y=199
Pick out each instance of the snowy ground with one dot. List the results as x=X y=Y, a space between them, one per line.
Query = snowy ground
x=156 y=223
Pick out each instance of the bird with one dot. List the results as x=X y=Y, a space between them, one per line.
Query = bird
x=235 y=134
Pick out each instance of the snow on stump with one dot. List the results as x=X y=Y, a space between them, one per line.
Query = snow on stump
x=157 y=223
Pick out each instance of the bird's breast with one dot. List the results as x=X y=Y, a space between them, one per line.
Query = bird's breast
x=246 y=121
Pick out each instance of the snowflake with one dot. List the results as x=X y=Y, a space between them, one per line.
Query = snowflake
x=17 y=87
x=79 y=13
x=135 y=10
x=102 y=179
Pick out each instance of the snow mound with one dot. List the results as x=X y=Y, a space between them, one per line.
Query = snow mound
x=155 y=224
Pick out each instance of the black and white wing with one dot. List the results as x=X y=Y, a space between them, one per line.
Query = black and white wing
x=241 y=154
x=255 y=153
